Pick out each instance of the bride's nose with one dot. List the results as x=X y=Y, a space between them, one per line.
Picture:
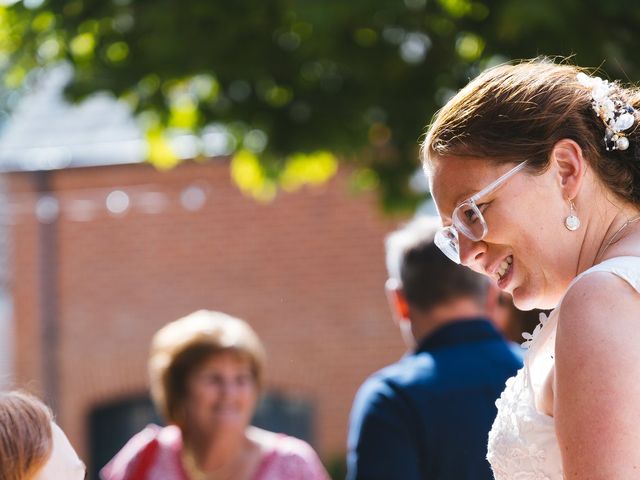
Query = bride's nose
x=471 y=252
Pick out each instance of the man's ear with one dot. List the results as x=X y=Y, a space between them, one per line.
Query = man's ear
x=568 y=159
x=397 y=301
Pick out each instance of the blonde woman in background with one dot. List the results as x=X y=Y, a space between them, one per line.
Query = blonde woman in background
x=32 y=446
x=206 y=373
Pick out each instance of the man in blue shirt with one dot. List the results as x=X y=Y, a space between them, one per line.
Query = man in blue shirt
x=427 y=416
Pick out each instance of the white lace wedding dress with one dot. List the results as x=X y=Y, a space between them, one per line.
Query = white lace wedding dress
x=522 y=442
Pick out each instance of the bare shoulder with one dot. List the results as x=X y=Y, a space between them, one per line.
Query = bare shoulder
x=600 y=304
x=599 y=319
x=597 y=367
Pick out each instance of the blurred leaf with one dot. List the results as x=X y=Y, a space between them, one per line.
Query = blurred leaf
x=117 y=52
x=364 y=180
x=469 y=46
x=183 y=113
x=82 y=45
x=160 y=152
x=14 y=77
x=456 y=8
x=43 y=21
x=308 y=169
x=248 y=173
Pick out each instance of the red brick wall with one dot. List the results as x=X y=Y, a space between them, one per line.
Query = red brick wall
x=306 y=270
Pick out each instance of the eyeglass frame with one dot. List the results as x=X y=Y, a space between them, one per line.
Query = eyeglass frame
x=445 y=242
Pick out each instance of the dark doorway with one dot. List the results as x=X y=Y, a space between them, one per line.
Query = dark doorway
x=112 y=425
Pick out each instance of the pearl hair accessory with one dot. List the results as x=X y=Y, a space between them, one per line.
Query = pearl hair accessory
x=617 y=115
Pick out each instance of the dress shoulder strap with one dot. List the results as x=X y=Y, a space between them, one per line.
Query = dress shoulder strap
x=627 y=268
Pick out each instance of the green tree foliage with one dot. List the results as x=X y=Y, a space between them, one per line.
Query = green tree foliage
x=294 y=80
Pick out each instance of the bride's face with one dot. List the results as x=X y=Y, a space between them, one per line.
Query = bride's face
x=523 y=248
x=63 y=462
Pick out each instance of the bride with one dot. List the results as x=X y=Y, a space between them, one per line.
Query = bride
x=535 y=170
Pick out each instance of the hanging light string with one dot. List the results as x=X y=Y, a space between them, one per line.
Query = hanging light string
x=87 y=204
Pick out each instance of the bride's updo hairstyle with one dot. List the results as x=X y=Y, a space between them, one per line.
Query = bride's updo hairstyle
x=512 y=113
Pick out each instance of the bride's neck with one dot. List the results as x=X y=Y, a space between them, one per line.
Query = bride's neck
x=605 y=226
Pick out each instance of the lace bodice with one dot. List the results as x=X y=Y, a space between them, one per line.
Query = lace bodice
x=522 y=442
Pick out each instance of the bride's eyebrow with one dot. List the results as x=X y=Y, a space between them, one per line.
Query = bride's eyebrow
x=466 y=195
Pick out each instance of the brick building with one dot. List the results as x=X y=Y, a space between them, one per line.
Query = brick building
x=98 y=250
x=90 y=290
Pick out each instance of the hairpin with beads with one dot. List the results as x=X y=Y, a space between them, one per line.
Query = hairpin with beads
x=616 y=114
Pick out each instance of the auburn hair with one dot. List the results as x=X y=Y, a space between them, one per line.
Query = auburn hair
x=514 y=112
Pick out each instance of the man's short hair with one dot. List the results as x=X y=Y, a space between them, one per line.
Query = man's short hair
x=425 y=275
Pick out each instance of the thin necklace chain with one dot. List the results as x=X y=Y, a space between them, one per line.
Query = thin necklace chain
x=615 y=235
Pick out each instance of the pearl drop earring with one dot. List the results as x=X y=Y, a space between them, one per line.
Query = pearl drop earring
x=572 y=222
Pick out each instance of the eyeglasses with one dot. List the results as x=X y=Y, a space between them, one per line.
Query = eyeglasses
x=467 y=219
